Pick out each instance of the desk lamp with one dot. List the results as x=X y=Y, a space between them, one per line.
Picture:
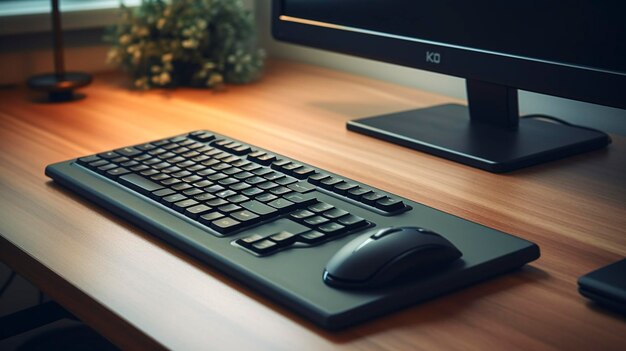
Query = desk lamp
x=60 y=85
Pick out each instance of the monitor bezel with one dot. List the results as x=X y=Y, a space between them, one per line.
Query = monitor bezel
x=556 y=79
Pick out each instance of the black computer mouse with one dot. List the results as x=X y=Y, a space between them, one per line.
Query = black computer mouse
x=377 y=258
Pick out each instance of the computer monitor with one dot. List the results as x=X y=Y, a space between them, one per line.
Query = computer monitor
x=571 y=49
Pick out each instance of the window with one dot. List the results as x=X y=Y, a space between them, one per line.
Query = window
x=28 y=16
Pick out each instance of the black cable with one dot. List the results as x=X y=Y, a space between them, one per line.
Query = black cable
x=564 y=122
x=550 y=118
x=6 y=284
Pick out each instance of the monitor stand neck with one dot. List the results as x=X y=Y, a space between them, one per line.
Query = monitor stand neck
x=492 y=104
x=494 y=138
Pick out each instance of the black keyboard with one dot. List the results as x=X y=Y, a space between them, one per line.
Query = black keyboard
x=229 y=187
x=273 y=222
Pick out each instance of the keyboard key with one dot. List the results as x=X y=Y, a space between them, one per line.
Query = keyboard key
x=241 y=150
x=161 y=193
x=286 y=180
x=352 y=221
x=180 y=206
x=145 y=147
x=282 y=205
x=105 y=168
x=283 y=238
x=195 y=211
x=335 y=213
x=139 y=168
x=229 y=208
x=193 y=192
x=266 y=197
x=225 y=225
x=300 y=199
x=302 y=187
x=232 y=171
x=214 y=188
x=372 y=197
x=273 y=176
x=357 y=193
x=267 y=185
x=228 y=181
x=266 y=159
x=321 y=207
x=243 y=175
x=331 y=228
x=172 y=199
x=208 y=218
x=204 y=197
x=88 y=159
x=237 y=198
x=245 y=216
x=255 y=180
x=182 y=186
x=160 y=176
x=330 y=182
x=316 y=220
x=192 y=179
x=203 y=184
x=225 y=193
x=139 y=183
x=281 y=190
x=170 y=181
x=317 y=178
x=262 y=171
x=389 y=204
x=142 y=158
x=343 y=188
x=264 y=246
x=217 y=202
x=240 y=186
x=249 y=240
x=98 y=163
x=120 y=159
x=290 y=168
x=128 y=151
x=109 y=155
x=149 y=172
x=259 y=208
x=279 y=164
x=202 y=136
x=303 y=172
x=301 y=214
x=252 y=191
x=116 y=172
x=311 y=237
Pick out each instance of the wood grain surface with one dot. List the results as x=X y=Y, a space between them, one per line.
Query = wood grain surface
x=140 y=293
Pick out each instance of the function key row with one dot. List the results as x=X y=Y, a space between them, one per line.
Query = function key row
x=339 y=186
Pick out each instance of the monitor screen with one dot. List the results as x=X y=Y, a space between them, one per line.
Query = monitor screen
x=579 y=33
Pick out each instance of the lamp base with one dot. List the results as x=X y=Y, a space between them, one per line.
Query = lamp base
x=60 y=87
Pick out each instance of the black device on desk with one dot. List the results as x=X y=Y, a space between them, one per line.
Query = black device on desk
x=606 y=286
x=575 y=50
x=275 y=224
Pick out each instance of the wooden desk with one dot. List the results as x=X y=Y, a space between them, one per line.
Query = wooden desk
x=140 y=293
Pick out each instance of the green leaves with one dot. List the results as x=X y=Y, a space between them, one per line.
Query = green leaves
x=186 y=42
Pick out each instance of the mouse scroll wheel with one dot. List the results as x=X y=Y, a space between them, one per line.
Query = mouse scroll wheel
x=379 y=234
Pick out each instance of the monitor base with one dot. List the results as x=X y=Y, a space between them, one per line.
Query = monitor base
x=446 y=131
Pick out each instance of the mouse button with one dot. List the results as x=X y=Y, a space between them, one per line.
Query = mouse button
x=385 y=231
x=423 y=260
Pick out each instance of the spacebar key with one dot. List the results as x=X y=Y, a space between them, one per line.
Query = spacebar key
x=139 y=183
